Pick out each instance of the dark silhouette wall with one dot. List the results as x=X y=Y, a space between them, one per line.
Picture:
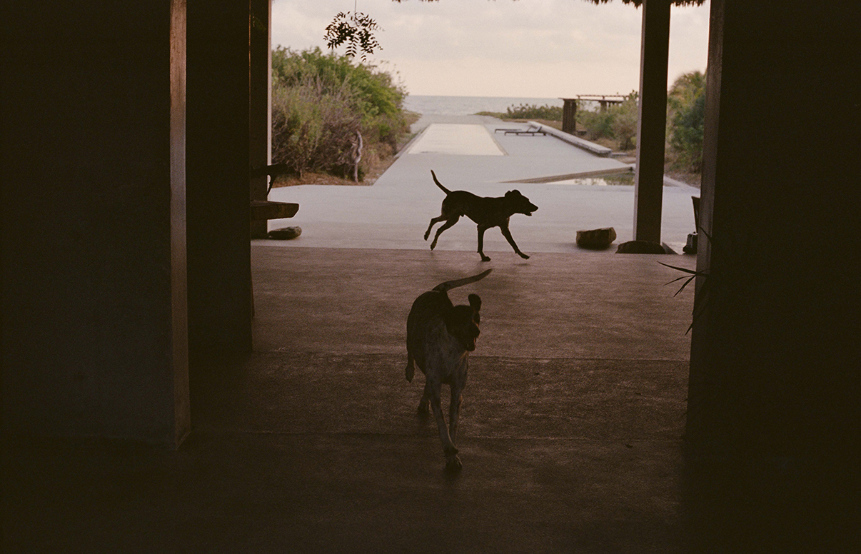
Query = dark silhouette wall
x=92 y=123
x=219 y=252
x=775 y=355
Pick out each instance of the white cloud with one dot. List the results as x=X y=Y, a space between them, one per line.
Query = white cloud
x=536 y=48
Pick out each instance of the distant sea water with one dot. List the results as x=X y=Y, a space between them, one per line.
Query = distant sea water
x=469 y=105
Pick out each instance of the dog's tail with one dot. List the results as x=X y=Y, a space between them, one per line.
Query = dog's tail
x=448 y=285
x=435 y=180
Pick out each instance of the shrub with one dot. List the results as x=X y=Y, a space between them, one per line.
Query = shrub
x=624 y=118
x=320 y=101
x=598 y=124
x=533 y=111
x=686 y=107
x=312 y=130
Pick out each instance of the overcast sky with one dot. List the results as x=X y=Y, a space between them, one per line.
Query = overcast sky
x=522 y=48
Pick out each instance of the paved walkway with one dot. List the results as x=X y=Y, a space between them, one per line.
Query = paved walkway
x=466 y=154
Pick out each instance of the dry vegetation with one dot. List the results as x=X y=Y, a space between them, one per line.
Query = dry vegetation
x=376 y=166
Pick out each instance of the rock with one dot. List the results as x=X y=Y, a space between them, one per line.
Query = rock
x=640 y=247
x=596 y=239
x=691 y=246
x=286 y=233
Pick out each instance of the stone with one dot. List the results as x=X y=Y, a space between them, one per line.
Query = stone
x=596 y=239
x=640 y=247
x=691 y=246
x=285 y=233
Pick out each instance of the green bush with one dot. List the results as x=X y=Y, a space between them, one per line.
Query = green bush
x=533 y=111
x=312 y=130
x=320 y=101
x=597 y=124
x=618 y=121
x=624 y=119
x=686 y=115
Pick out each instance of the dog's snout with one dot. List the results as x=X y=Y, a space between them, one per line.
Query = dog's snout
x=470 y=345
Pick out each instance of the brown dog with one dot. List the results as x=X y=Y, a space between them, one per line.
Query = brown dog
x=440 y=337
x=486 y=212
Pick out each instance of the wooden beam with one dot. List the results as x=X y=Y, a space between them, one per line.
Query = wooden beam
x=651 y=131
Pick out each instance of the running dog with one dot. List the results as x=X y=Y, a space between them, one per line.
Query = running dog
x=486 y=212
x=440 y=337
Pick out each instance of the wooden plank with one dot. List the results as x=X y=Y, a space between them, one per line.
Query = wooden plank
x=262 y=210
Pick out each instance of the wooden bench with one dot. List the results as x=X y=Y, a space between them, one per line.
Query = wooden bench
x=264 y=210
x=531 y=131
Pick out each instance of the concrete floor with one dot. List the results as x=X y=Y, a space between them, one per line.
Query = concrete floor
x=570 y=434
x=571 y=429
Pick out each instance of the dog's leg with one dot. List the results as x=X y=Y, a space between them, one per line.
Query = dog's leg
x=454 y=412
x=425 y=400
x=452 y=461
x=507 y=234
x=433 y=222
x=481 y=230
x=445 y=226
x=411 y=368
x=448 y=447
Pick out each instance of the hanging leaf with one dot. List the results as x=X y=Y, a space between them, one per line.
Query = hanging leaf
x=356 y=30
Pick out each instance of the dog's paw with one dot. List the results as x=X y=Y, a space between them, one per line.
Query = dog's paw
x=485 y=258
x=423 y=409
x=522 y=255
x=453 y=464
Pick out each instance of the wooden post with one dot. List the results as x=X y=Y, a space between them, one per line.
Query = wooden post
x=93 y=276
x=651 y=130
x=218 y=160
x=259 y=131
x=772 y=342
x=569 y=116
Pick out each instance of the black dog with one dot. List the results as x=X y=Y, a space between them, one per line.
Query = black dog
x=440 y=337
x=486 y=212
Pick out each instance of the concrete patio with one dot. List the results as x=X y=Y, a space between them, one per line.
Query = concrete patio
x=570 y=434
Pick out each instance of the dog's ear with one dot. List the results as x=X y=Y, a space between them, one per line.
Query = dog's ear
x=474 y=302
x=513 y=194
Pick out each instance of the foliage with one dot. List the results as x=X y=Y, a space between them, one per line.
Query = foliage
x=598 y=124
x=312 y=130
x=686 y=107
x=618 y=121
x=533 y=111
x=319 y=103
x=685 y=117
x=354 y=29
x=624 y=118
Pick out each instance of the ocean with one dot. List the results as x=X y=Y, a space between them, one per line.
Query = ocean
x=469 y=105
